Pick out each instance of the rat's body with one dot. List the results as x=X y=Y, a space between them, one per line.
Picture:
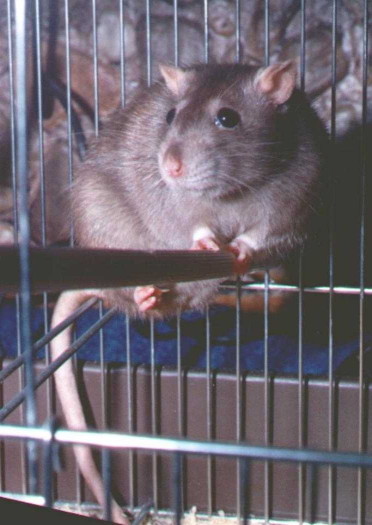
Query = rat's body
x=213 y=157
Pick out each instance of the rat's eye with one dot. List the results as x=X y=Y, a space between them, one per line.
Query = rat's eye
x=170 y=116
x=227 y=118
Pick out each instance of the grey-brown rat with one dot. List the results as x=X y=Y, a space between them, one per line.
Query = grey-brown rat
x=211 y=157
x=214 y=156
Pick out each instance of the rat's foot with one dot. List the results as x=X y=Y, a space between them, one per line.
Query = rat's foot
x=148 y=297
x=207 y=243
x=243 y=254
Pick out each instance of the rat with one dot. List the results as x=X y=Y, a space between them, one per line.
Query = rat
x=211 y=157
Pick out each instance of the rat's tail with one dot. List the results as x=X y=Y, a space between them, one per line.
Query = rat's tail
x=68 y=395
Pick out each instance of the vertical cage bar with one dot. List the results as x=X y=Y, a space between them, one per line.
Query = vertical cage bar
x=180 y=393
x=40 y=116
x=303 y=46
x=362 y=430
x=103 y=373
x=39 y=100
x=148 y=42
x=48 y=451
x=176 y=33
x=301 y=402
x=68 y=102
x=211 y=465
x=267 y=396
x=79 y=482
x=267 y=32
x=181 y=423
x=177 y=487
x=131 y=422
x=313 y=492
x=14 y=186
x=70 y=169
x=154 y=416
x=21 y=143
x=237 y=30
x=106 y=467
x=12 y=119
x=106 y=477
x=267 y=404
x=210 y=414
x=206 y=29
x=243 y=485
x=301 y=396
x=238 y=399
x=331 y=386
x=180 y=384
x=122 y=54
x=180 y=397
x=95 y=68
x=39 y=77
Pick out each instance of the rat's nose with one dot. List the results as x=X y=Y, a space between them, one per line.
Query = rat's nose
x=173 y=161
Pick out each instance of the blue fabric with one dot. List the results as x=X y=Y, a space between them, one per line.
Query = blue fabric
x=283 y=348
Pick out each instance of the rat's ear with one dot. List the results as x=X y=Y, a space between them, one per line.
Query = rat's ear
x=277 y=81
x=176 y=79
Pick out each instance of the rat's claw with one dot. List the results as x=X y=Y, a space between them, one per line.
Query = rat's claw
x=148 y=297
x=207 y=243
x=242 y=253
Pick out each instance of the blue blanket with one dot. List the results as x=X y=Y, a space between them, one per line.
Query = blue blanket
x=282 y=342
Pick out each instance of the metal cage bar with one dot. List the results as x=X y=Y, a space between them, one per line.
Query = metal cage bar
x=362 y=430
x=187 y=446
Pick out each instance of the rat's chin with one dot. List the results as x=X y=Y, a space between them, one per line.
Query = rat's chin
x=194 y=187
x=198 y=184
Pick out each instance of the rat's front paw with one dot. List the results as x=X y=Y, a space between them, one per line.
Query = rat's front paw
x=204 y=239
x=207 y=243
x=148 y=298
x=243 y=254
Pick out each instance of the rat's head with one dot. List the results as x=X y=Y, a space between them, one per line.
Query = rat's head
x=221 y=126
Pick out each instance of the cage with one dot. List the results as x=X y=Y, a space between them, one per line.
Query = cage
x=259 y=408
